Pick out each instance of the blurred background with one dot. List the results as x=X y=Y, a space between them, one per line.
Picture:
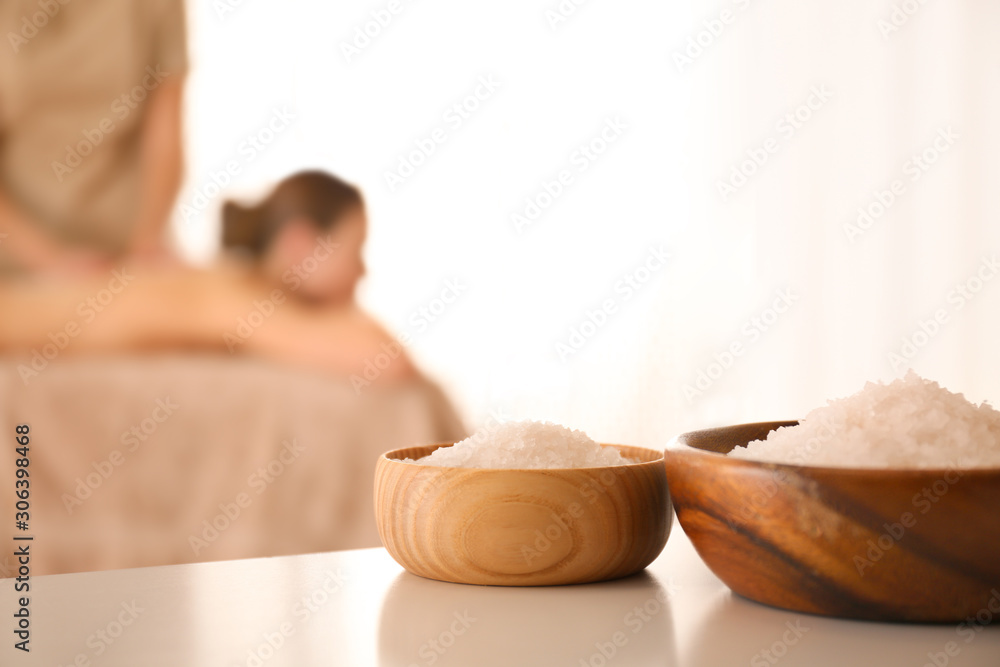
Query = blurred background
x=631 y=218
x=820 y=177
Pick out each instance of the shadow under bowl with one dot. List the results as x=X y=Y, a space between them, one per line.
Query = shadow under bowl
x=916 y=545
x=520 y=527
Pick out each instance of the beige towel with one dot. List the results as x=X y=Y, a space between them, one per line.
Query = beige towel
x=185 y=458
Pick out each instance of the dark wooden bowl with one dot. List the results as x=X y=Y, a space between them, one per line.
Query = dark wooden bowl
x=875 y=544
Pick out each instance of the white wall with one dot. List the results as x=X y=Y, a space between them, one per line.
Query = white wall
x=685 y=126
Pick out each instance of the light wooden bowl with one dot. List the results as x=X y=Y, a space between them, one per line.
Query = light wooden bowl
x=874 y=544
x=522 y=527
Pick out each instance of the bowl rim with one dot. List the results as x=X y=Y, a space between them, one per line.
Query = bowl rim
x=385 y=456
x=677 y=446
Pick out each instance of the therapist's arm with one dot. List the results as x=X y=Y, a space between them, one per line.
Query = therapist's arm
x=21 y=239
x=144 y=310
x=161 y=163
x=35 y=251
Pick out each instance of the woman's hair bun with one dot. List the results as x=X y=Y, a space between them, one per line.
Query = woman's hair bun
x=241 y=227
x=315 y=195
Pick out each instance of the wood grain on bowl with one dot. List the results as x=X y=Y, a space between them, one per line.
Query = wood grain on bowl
x=522 y=527
x=878 y=544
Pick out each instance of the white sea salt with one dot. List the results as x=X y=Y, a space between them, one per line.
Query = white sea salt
x=526 y=444
x=908 y=423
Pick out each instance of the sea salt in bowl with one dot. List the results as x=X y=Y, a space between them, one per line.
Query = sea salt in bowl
x=898 y=544
x=522 y=527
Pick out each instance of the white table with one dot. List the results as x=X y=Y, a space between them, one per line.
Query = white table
x=361 y=608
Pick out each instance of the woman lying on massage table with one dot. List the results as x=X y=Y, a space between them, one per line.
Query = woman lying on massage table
x=284 y=292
